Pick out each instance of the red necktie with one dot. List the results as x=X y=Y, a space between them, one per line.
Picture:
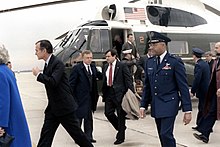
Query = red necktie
x=110 y=75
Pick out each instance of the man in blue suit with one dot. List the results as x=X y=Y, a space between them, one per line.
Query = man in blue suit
x=165 y=87
x=83 y=82
x=200 y=82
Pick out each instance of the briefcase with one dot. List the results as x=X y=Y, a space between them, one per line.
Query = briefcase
x=6 y=140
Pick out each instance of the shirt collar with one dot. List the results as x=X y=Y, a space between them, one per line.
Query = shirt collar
x=48 y=59
x=114 y=63
x=162 y=56
x=86 y=65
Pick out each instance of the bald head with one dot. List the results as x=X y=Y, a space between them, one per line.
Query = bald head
x=217 y=48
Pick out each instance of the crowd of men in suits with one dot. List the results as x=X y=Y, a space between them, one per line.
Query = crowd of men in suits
x=72 y=101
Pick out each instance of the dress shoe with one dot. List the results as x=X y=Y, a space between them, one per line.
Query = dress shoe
x=201 y=137
x=118 y=142
x=195 y=128
x=93 y=141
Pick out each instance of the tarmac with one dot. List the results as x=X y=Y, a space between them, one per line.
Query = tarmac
x=139 y=133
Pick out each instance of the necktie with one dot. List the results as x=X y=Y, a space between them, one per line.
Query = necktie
x=89 y=72
x=158 y=62
x=110 y=75
x=45 y=66
x=90 y=78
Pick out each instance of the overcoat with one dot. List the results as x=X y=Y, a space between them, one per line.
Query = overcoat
x=85 y=93
x=12 y=116
x=211 y=90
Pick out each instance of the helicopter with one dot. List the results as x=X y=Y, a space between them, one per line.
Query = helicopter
x=185 y=25
x=185 y=22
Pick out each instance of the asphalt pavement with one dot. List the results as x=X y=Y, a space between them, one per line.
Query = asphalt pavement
x=139 y=133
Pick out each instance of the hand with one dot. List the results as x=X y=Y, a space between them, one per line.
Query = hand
x=35 y=71
x=2 y=131
x=218 y=93
x=187 y=118
x=191 y=95
x=142 y=111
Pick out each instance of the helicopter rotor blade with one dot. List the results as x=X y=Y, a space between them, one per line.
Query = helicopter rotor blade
x=133 y=1
x=38 y=5
x=213 y=10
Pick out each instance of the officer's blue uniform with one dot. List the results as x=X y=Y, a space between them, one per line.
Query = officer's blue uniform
x=165 y=86
x=200 y=82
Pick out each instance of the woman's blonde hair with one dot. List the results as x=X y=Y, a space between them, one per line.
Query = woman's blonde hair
x=4 y=56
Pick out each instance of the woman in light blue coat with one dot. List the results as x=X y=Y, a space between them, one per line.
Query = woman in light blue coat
x=12 y=117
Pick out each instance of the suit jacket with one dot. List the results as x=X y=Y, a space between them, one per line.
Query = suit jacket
x=201 y=79
x=84 y=91
x=60 y=98
x=210 y=65
x=127 y=46
x=211 y=94
x=167 y=86
x=122 y=80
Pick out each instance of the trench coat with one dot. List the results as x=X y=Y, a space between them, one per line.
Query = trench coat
x=12 y=116
x=208 y=101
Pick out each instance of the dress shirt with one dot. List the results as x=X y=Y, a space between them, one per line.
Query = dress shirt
x=46 y=63
x=162 y=56
x=86 y=66
x=113 y=70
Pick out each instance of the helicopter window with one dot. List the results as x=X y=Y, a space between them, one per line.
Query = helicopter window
x=76 y=45
x=81 y=40
x=105 y=40
x=178 y=47
x=95 y=44
x=68 y=39
x=165 y=16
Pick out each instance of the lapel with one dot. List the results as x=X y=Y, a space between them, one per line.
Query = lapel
x=84 y=69
x=49 y=64
x=163 y=63
x=116 y=69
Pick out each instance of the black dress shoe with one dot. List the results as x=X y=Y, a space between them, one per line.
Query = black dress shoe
x=195 y=128
x=93 y=140
x=201 y=137
x=118 y=142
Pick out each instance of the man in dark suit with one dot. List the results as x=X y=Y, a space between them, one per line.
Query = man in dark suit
x=210 y=61
x=130 y=45
x=165 y=87
x=83 y=82
x=61 y=104
x=116 y=81
x=142 y=62
x=200 y=82
x=212 y=101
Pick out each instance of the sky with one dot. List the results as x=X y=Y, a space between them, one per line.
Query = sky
x=19 y=30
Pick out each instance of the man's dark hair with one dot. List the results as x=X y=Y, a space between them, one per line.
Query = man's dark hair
x=129 y=35
x=112 y=51
x=45 y=44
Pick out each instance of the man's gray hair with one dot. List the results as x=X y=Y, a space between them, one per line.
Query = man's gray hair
x=4 y=56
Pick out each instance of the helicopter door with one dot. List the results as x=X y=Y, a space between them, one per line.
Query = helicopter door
x=99 y=41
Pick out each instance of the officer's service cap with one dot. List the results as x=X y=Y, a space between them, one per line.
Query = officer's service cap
x=127 y=51
x=198 y=52
x=156 y=37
